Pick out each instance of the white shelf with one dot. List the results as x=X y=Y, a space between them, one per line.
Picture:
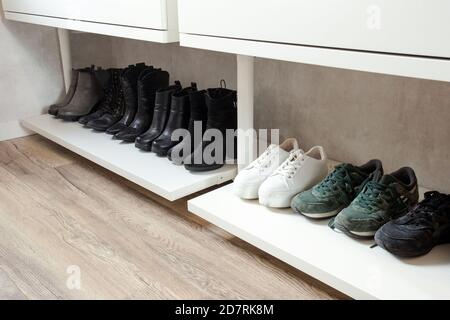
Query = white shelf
x=145 y=34
x=146 y=169
x=346 y=264
x=400 y=65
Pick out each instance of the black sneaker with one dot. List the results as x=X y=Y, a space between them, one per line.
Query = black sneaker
x=417 y=232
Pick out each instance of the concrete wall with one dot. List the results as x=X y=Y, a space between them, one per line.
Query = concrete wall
x=356 y=116
x=30 y=73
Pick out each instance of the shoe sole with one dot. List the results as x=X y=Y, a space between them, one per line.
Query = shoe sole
x=53 y=113
x=144 y=147
x=68 y=118
x=318 y=215
x=245 y=193
x=354 y=234
x=203 y=168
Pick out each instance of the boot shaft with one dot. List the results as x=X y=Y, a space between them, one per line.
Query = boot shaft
x=222 y=111
x=150 y=81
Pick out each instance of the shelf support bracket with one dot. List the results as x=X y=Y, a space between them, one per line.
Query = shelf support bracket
x=66 y=58
x=246 y=143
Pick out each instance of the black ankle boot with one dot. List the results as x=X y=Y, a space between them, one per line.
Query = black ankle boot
x=118 y=108
x=149 y=82
x=198 y=119
x=128 y=82
x=160 y=115
x=107 y=80
x=178 y=119
x=222 y=115
x=87 y=95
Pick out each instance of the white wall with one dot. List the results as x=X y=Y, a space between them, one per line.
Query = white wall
x=30 y=74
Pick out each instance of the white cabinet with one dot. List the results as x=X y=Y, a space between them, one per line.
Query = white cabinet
x=398 y=37
x=417 y=27
x=153 y=20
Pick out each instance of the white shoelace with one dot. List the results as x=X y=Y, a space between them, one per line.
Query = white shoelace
x=292 y=164
x=264 y=159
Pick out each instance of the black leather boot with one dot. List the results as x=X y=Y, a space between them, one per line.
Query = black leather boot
x=198 y=120
x=160 y=115
x=128 y=80
x=149 y=82
x=107 y=80
x=178 y=119
x=87 y=95
x=222 y=115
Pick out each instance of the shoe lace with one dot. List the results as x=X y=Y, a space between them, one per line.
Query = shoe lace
x=339 y=179
x=265 y=159
x=434 y=204
x=292 y=164
x=374 y=195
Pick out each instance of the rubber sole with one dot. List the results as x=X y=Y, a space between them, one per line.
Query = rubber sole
x=203 y=168
x=245 y=193
x=53 y=113
x=318 y=215
x=143 y=146
x=68 y=118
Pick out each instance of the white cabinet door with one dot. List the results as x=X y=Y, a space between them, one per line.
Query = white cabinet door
x=137 y=13
x=50 y=8
x=150 y=14
x=417 y=27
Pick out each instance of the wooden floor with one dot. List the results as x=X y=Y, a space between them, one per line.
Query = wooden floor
x=59 y=211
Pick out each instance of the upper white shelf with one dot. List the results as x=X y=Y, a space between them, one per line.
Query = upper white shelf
x=367 y=35
x=146 y=169
x=149 y=20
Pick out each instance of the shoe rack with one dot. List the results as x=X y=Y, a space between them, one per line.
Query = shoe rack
x=377 y=37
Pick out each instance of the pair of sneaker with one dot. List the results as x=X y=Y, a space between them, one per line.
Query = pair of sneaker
x=281 y=172
x=362 y=198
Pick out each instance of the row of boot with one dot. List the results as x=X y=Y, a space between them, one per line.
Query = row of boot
x=137 y=104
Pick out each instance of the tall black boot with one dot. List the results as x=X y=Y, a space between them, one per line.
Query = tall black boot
x=222 y=115
x=198 y=120
x=178 y=119
x=149 y=82
x=128 y=80
x=160 y=115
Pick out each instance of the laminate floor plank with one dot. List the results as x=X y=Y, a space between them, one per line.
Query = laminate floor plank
x=60 y=213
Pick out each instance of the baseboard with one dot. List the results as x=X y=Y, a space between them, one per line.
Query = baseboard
x=13 y=129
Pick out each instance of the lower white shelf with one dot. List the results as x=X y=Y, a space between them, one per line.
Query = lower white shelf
x=146 y=169
x=346 y=264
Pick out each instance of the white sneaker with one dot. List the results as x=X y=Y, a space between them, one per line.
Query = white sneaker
x=300 y=172
x=248 y=181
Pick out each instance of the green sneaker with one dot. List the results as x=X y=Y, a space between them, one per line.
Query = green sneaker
x=379 y=202
x=336 y=191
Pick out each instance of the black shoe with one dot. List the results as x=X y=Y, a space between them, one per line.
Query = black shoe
x=222 y=116
x=107 y=79
x=198 y=120
x=160 y=115
x=128 y=82
x=417 y=232
x=178 y=119
x=150 y=80
x=116 y=110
